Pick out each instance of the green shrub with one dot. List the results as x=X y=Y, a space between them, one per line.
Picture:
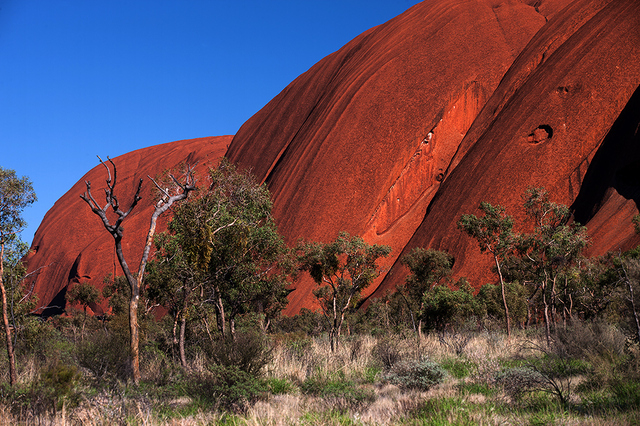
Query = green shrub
x=59 y=383
x=342 y=393
x=476 y=388
x=105 y=355
x=418 y=374
x=249 y=352
x=55 y=388
x=226 y=388
x=518 y=381
x=278 y=386
x=459 y=367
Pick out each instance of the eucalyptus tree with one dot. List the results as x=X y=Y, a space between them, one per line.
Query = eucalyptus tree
x=548 y=252
x=341 y=269
x=494 y=233
x=428 y=268
x=222 y=249
x=15 y=194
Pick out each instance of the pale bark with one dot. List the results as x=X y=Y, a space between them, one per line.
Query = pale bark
x=135 y=282
x=504 y=297
x=13 y=376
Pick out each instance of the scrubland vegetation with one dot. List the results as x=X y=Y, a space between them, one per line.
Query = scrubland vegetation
x=589 y=376
x=554 y=341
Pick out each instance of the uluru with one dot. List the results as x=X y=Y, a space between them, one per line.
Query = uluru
x=407 y=127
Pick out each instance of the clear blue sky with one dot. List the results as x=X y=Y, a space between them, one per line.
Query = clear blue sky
x=81 y=78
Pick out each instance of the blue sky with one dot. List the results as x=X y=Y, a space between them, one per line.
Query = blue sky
x=81 y=78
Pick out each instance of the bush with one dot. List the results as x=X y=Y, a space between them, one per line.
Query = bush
x=387 y=352
x=249 y=352
x=459 y=367
x=279 y=386
x=105 y=355
x=342 y=393
x=226 y=387
x=518 y=381
x=54 y=389
x=418 y=374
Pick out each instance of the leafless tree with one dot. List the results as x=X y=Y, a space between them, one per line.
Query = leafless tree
x=181 y=192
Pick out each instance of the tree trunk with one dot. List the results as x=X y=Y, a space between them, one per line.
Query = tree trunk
x=220 y=313
x=13 y=376
x=547 y=328
x=504 y=297
x=183 y=327
x=631 y=298
x=133 y=313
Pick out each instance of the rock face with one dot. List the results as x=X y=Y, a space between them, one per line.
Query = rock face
x=414 y=123
x=71 y=244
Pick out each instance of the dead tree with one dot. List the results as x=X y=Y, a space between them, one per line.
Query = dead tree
x=135 y=281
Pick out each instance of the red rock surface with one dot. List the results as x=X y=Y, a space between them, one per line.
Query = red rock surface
x=365 y=139
x=71 y=244
x=418 y=120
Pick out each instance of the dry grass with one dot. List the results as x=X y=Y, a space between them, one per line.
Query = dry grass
x=356 y=360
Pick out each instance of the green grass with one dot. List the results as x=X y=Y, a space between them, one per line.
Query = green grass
x=459 y=368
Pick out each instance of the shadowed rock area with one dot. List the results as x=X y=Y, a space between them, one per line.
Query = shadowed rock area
x=414 y=123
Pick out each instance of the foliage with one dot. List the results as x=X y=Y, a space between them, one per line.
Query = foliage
x=459 y=368
x=444 y=307
x=416 y=374
x=15 y=195
x=248 y=351
x=341 y=392
x=494 y=234
x=342 y=269
x=226 y=387
x=489 y=302
x=105 y=355
x=117 y=290
x=518 y=381
x=543 y=256
x=223 y=247
x=387 y=352
x=428 y=268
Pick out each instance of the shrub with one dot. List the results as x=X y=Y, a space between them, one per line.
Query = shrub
x=387 y=352
x=279 y=386
x=342 y=393
x=418 y=374
x=518 y=381
x=105 y=355
x=226 y=387
x=459 y=367
x=249 y=352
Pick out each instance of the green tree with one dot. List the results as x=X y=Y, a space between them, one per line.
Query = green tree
x=342 y=269
x=445 y=307
x=15 y=194
x=494 y=233
x=179 y=191
x=84 y=294
x=428 y=268
x=223 y=248
x=545 y=255
x=489 y=302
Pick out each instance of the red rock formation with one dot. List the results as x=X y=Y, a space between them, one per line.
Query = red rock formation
x=413 y=124
x=576 y=81
x=71 y=244
x=363 y=140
